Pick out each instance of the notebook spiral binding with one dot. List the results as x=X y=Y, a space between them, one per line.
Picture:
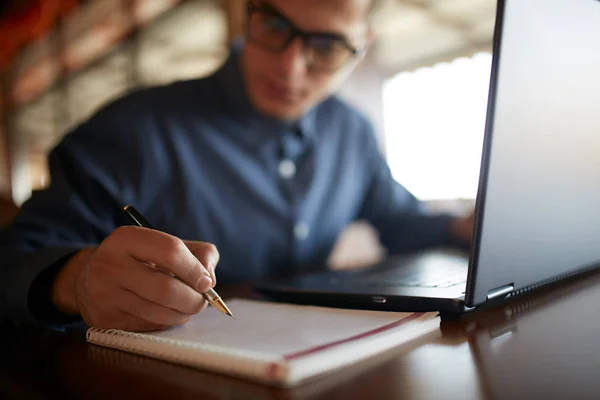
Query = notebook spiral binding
x=191 y=354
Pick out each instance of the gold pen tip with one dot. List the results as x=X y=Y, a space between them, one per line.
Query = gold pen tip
x=219 y=304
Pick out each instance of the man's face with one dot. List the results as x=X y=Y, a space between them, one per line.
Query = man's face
x=285 y=83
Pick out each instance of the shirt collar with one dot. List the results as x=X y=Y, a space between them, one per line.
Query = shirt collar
x=231 y=80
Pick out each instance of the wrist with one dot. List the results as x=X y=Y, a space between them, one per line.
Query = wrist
x=63 y=293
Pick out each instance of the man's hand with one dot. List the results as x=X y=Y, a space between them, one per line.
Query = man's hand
x=127 y=283
x=461 y=228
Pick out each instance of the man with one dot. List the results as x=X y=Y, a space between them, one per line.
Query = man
x=257 y=160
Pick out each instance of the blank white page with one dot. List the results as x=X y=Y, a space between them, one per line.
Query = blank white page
x=278 y=329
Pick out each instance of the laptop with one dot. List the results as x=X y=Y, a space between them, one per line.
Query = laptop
x=537 y=213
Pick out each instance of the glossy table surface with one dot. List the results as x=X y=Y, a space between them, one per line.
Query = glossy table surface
x=543 y=345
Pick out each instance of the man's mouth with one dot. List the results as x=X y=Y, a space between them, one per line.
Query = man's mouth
x=280 y=92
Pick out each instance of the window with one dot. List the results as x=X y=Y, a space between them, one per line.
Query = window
x=434 y=121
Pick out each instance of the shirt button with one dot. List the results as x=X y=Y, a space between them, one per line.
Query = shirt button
x=301 y=230
x=287 y=169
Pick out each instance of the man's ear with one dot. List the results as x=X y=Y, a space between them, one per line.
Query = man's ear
x=370 y=37
x=369 y=42
x=345 y=72
x=367 y=47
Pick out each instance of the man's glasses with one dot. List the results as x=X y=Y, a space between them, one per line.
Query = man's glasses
x=271 y=31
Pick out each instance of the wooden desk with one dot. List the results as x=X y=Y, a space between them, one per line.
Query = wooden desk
x=542 y=346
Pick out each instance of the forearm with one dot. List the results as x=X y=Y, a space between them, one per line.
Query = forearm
x=63 y=292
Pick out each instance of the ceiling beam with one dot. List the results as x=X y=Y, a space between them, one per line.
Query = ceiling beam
x=463 y=27
x=391 y=70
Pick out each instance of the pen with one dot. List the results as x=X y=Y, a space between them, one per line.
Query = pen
x=211 y=296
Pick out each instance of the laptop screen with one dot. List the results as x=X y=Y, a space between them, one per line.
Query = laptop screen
x=539 y=197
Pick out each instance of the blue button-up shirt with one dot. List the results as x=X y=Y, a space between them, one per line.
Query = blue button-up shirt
x=198 y=161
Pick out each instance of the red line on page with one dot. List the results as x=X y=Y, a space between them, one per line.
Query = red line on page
x=383 y=328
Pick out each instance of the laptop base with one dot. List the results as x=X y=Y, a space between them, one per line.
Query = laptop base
x=378 y=302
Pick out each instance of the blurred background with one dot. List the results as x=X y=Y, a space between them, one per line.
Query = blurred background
x=424 y=85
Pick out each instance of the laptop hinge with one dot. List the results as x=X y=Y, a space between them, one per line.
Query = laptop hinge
x=501 y=291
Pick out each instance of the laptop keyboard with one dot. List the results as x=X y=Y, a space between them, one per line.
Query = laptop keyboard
x=430 y=279
x=437 y=274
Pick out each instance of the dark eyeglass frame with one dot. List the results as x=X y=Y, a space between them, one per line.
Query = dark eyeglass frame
x=296 y=32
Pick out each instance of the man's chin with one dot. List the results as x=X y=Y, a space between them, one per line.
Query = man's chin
x=280 y=111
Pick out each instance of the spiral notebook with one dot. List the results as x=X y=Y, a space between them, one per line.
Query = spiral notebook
x=274 y=343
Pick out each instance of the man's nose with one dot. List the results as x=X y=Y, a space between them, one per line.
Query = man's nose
x=293 y=59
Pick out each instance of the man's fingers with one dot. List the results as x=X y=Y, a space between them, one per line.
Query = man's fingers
x=164 y=250
x=124 y=321
x=132 y=323
x=132 y=304
x=207 y=254
x=164 y=289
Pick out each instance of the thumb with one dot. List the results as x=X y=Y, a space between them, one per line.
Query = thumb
x=207 y=254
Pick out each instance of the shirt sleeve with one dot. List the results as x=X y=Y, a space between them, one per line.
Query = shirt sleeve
x=91 y=172
x=402 y=221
